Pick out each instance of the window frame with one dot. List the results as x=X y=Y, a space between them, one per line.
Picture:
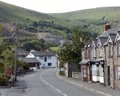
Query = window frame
x=117 y=72
x=110 y=50
x=118 y=49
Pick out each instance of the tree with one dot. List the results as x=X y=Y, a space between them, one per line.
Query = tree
x=71 y=51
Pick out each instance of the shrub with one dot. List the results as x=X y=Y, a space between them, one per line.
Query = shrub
x=61 y=73
x=4 y=80
x=25 y=67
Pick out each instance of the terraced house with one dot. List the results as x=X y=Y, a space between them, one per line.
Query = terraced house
x=101 y=58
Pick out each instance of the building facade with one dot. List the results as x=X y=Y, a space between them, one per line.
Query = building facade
x=46 y=59
x=104 y=58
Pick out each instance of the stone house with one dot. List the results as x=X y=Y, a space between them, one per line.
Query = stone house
x=85 y=63
x=104 y=57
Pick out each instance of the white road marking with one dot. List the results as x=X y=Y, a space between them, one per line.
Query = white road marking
x=100 y=92
x=64 y=94
x=107 y=94
x=58 y=90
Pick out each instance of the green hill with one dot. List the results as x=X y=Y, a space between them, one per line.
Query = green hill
x=30 y=20
x=10 y=13
x=108 y=13
x=59 y=23
x=94 y=18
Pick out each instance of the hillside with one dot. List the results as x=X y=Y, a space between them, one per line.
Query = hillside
x=94 y=18
x=107 y=13
x=10 y=13
x=30 y=20
x=59 y=23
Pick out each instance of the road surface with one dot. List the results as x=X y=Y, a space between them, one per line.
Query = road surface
x=44 y=82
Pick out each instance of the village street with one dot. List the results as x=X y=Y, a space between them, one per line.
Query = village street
x=45 y=82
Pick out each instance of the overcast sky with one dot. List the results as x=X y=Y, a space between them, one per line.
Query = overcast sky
x=58 y=6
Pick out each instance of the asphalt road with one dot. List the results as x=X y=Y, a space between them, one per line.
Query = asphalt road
x=44 y=82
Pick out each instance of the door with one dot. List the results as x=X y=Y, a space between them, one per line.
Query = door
x=108 y=75
x=70 y=72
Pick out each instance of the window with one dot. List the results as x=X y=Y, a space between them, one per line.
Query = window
x=84 y=74
x=95 y=70
x=110 y=50
x=101 y=73
x=117 y=72
x=118 y=49
x=49 y=64
x=49 y=57
x=93 y=52
x=85 y=53
x=100 y=51
x=41 y=57
x=45 y=59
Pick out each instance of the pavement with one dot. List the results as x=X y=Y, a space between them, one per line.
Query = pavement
x=97 y=87
x=17 y=90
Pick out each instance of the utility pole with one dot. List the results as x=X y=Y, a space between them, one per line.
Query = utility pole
x=16 y=51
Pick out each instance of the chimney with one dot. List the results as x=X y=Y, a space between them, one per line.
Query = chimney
x=107 y=27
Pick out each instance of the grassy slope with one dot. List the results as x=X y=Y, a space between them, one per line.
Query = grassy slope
x=11 y=13
x=91 y=17
x=91 y=14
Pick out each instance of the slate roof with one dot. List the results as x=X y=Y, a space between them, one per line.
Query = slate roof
x=111 y=32
x=112 y=36
x=119 y=32
x=103 y=39
x=37 y=53
x=30 y=60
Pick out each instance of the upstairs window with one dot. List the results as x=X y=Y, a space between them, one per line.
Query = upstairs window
x=85 y=54
x=110 y=50
x=100 y=51
x=41 y=57
x=94 y=52
x=118 y=49
x=49 y=57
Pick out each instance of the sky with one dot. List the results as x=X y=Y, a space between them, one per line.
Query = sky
x=60 y=6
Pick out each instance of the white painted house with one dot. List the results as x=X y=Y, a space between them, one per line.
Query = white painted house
x=46 y=59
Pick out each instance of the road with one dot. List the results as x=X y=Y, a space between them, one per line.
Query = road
x=45 y=83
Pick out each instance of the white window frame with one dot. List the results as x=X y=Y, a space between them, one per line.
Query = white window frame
x=110 y=50
x=117 y=72
x=118 y=48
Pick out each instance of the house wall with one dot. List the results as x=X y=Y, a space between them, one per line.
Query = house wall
x=109 y=63
x=116 y=64
x=44 y=63
x=52 y=60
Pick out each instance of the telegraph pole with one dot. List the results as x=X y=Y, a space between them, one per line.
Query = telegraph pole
x=16 y=51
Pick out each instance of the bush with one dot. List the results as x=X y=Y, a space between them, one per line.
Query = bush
x=25 y=67
x=61 y=73
x=4 y=80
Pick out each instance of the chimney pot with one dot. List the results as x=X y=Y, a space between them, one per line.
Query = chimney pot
x=107 y=27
